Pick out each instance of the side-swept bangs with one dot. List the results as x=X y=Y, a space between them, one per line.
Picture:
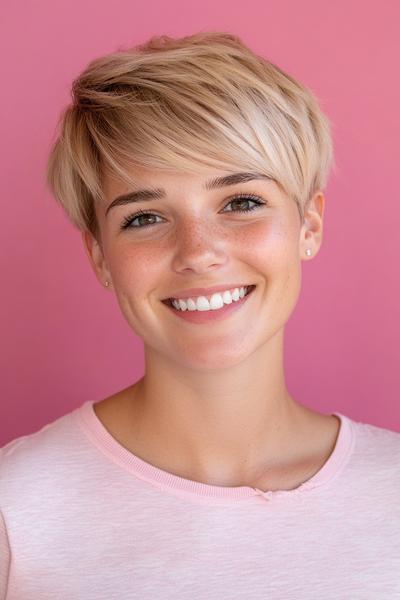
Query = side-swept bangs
x=203 y=101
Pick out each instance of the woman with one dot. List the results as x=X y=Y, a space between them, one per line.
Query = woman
x=195 y=170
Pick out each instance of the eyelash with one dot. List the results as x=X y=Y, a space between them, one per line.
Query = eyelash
x=126 y=223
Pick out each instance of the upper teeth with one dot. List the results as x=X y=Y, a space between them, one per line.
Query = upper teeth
x=212 y=302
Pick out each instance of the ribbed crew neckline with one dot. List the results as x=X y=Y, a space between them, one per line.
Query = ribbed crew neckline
x=99 y=436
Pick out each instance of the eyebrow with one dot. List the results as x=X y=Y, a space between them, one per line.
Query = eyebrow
x=158 y=193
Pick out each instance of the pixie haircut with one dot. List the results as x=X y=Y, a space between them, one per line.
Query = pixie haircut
x=188 y=104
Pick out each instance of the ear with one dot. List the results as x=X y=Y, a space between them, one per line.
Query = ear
x=311 y=231
x=95 y=254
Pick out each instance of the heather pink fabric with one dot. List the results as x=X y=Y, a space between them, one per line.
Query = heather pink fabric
x=83 y=518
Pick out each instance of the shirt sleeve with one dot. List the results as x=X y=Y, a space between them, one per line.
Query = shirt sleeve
x=5 y=556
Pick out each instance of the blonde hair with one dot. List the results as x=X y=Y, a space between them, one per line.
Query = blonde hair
x=201 y=101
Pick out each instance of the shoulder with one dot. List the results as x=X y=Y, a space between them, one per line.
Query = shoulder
x=384 y=438
x=29 y=459
x=377 y=450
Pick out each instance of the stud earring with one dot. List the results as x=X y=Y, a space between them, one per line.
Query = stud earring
x=308 y=252
x=107 y=283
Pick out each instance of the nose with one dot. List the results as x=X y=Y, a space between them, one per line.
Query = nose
x=199 y=246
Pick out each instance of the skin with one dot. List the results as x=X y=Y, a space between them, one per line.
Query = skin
x=213 y=405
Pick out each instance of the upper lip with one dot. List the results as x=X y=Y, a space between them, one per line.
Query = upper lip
x=189 y=293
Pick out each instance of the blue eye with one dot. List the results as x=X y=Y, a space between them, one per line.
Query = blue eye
x=239 y=199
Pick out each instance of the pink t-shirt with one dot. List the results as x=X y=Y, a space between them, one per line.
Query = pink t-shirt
x=82 y=518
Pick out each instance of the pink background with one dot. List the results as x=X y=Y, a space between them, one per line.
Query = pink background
x=64 y=340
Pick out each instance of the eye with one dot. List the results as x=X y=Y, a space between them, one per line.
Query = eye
x=239 y=199
x=244 y=199
x=127 y=222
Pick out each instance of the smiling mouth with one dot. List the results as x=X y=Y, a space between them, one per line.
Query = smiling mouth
x=168 y=301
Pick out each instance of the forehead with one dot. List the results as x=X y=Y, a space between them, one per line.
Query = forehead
x=162 y=181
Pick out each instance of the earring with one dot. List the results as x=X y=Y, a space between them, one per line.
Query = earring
x=107 y=283
x=308 y=251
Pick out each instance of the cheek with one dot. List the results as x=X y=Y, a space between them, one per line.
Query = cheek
x=136 y=267
x=269 y=244
x=273 y=251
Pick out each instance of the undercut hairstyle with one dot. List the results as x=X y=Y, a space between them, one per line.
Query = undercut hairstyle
x=189 y=104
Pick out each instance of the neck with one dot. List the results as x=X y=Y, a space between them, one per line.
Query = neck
x=223 y=426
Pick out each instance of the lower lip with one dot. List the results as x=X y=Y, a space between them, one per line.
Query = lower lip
x=205 y=316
